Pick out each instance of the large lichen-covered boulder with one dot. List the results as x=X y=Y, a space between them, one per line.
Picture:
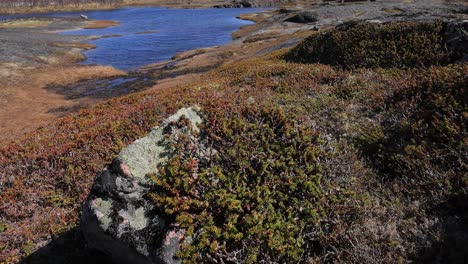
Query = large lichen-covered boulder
x=118 y=219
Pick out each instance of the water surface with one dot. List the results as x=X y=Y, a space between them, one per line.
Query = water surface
x=166 y=32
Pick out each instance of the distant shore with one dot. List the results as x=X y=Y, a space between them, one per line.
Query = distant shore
x=125 y=3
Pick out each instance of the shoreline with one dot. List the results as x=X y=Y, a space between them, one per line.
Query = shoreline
x=38 y=58
x=37 y=80
x=268 y=34
x=103 y=7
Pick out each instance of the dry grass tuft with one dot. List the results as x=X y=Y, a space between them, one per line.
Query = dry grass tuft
x=55 y=8
x=24 y=23
x=29 y=102
x=255 y=17
x=94 y=24
x=71 y=75
x=77 y=45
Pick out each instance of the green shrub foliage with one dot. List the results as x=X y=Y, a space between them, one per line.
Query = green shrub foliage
x=257 y=199
x=396 y=137
x=421 y=138
x=404 y=44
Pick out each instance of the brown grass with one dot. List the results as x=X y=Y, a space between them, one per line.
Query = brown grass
x=24 y=23
x=175 y=3
x=110 y=36
x=96 y=6
x=147 y=32
x=50 y=8
x=29 y=103
x=94 y=24
x=255 y=17
x=77 y=45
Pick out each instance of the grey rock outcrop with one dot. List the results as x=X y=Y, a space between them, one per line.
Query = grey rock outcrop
x=118 y=219
x=237 y=4
x=303 y=18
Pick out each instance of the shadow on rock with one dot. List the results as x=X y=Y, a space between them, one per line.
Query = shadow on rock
x=70 y=248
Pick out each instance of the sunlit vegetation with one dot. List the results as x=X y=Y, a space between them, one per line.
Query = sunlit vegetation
x=93 y=24
x=45 y=3
x=315 y=163
x=403 y=44
x=23 y=6
x=259 y=198
x=26 y=6
x=24 y=23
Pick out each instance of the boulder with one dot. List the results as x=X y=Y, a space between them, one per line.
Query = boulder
x=118 y=218
x=456 y=40
x=304 y=17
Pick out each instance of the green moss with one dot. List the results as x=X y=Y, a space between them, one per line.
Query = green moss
x=403 y=44
x=3 y=227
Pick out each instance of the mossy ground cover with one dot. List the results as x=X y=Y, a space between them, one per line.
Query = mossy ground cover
x=369 y=163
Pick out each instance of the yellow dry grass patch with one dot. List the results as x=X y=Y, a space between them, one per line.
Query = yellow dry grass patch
x=255 y=17
x=55 y=8
x=147 y=32
x=70 y=75
x=93 y=24
x=30 y=23
x=77 y=45
x=393 y=10
x=176 y=3
x=28 y=102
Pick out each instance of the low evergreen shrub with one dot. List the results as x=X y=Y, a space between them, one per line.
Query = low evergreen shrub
x=259 y=198
x=369 y=45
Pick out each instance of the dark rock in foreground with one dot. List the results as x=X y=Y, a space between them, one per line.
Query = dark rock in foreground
x=118 y=219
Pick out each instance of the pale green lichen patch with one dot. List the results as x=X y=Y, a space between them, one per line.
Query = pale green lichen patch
x=102 y=210
x=139 y=221
x=144 y=155
x=136 y=219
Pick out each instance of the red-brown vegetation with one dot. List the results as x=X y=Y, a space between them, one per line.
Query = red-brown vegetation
x=392 y=144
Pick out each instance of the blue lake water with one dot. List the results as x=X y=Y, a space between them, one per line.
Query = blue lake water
x=175 y=30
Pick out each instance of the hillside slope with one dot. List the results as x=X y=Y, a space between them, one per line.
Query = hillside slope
x=390 y=145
